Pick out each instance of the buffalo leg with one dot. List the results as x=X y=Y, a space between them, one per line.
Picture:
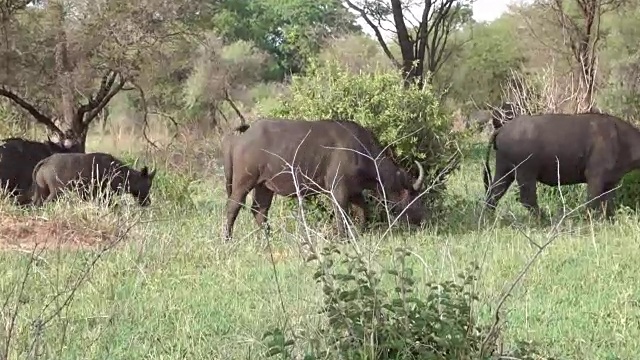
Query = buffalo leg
x=361 y=210
x=503 y=178
x=528 y=193
x=52 y=195
x=262 y=198
x=600 y=196
x=234 y=203
x=39 y=194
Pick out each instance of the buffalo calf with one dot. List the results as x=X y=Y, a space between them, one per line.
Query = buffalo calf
x=95 y=173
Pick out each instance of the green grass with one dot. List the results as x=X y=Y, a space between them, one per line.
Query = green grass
x=173 y=289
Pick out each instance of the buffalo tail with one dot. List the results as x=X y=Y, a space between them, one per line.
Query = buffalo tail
x=242 y=128
x=228 y=160
x=28 y=195
x=486 y=172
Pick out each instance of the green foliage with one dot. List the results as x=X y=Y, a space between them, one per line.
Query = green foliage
x=291 y=31
x=357 y=53
x=629 y=192
x=365 y=319
x=475 y=74
x=410 y=119
x=621 y=55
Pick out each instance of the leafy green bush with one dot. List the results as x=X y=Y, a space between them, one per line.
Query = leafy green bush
x=367 y=320
x=629 y=192
x=410 y=120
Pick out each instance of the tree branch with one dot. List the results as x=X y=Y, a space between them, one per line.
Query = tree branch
x=108 y=89
x=31 y=109
x=376 y=31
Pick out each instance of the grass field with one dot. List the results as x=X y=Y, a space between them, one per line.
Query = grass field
x=173 y=290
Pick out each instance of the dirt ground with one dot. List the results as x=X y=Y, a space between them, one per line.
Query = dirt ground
x=24 y=233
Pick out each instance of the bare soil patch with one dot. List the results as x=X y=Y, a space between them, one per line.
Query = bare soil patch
x=25 y=232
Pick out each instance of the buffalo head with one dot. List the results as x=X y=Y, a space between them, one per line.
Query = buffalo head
x=407 y=200
x=139 y=185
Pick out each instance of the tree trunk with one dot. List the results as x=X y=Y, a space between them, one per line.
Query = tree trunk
x=64 y=71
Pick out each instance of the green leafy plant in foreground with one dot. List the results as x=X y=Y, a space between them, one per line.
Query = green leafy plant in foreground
x=365 y=318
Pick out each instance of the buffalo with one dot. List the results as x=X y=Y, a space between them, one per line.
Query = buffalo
x=326 y=154
x=96 y=173
x=562 y=149
x=19 y=156
x=506 y=112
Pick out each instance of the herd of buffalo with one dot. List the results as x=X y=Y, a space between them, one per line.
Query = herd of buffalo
x=34 y=172
x=343 y=159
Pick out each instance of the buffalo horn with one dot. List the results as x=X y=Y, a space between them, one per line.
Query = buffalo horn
x=418 y=184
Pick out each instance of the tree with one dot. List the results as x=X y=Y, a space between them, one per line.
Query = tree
x=73 y=57
x=291 y=31
x=424 y=41
x=579 y=22
x=475 y=75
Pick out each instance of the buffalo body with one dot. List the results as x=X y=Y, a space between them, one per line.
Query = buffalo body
x=94 y=173
x=562 y=149
x=18 y=158
x=323 y=155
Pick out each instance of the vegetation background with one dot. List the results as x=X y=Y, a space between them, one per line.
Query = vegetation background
x=162 y=81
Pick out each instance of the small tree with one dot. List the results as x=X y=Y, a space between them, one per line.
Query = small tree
x=579 y=23
x=74 y=57
x=425 y=42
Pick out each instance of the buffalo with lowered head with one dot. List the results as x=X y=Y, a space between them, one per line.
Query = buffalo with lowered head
x=96 y=174
x=18 y=157
x=326 y=155
x=562 y=149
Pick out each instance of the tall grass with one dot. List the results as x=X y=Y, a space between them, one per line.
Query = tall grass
x=169 y=287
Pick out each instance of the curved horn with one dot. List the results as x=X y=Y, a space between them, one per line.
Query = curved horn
x=135 y=163
x=417 y=185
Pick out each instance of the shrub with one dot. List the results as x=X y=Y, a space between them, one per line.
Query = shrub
x=365 y=317
x=410 y=120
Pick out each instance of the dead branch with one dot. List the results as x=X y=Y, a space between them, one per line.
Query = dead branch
x=227 y=97
x=376 y=31
x=145 y=114
x=173 y=121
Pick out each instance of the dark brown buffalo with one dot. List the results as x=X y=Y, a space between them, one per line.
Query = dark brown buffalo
x=110 y=175
x=596 y=149
x=506 y=112
x=19 y=156
x=328 y=152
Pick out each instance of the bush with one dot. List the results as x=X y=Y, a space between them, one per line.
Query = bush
x=364 y=319
x=411 y=119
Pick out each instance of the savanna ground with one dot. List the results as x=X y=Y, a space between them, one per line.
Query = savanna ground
x=160 y=283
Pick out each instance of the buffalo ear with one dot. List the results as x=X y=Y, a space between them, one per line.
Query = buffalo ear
x=144 y=171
